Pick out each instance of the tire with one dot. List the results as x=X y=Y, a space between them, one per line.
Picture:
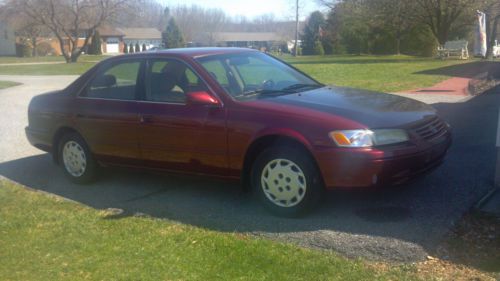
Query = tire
x=76 y=160
x=287 y=181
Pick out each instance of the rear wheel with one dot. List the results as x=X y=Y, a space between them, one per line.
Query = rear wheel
x=287 y=181
x=76 y=160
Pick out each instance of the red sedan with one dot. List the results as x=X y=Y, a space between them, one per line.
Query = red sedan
x=236 y=114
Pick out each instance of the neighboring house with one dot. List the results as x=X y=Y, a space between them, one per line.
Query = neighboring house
x=255 y=40
x=114 y=39
x=7 y=41
x=151 y=37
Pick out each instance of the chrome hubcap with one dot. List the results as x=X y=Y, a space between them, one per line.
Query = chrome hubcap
x=74 y=159
x=283 y=182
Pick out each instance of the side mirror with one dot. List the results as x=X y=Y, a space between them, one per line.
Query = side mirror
x=201 y=98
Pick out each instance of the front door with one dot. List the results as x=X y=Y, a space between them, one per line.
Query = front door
x=173 y=134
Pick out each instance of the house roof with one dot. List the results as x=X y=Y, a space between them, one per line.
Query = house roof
x=108 y=31
x=140 y=33
x=246 y=36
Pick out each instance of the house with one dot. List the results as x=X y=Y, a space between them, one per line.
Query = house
x=151 y=37
x=113 y=40
x=7 y=41
x=255 y=40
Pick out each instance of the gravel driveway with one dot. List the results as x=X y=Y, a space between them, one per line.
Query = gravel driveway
x=399 y=224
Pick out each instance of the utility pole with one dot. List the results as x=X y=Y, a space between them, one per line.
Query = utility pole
x=296 y=44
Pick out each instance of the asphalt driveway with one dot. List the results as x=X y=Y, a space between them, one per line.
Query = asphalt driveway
x=401 y=224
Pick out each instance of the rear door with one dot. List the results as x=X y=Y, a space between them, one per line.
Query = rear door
x=175 y=135
x=107 y=112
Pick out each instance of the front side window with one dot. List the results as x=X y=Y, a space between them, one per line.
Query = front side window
x=254 y=73
x=170 y=80
x=118 y=81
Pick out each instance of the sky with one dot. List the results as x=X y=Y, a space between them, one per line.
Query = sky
x=282 y=9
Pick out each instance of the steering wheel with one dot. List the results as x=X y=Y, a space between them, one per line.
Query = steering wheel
x=267 y=84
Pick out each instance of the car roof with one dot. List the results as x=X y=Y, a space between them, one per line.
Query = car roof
x=192 y=52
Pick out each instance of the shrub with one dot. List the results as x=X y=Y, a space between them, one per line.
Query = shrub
x=125 y=48
x=318 y=48
x=23 y=50
x=45 y=49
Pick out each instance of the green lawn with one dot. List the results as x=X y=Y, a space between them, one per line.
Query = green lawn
x=379 y=73
x=7 y=84
x=82 y=58
x=46 y=238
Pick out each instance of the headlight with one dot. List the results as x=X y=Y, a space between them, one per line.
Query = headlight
x=368 y=138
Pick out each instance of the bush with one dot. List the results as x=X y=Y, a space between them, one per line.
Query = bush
x=23 y=50
x=125 y=48
x=419 y=42
x=318 y=48
x=45 y=49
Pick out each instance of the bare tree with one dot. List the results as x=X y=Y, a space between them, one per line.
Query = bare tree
x=71 y=21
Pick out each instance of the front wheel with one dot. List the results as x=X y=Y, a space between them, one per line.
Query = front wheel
x=76 y=160
x=287 y=181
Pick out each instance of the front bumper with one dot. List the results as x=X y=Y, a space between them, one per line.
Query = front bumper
x=376 y=167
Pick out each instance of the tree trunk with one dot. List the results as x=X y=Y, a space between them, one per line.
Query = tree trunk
x=34 y=52
x=398 y=44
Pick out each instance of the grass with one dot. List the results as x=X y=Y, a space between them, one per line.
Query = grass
x=7 y=84
x=82 y=58
x=47 y=238
x=378 y=73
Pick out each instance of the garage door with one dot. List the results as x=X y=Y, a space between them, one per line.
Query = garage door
x=112 y=48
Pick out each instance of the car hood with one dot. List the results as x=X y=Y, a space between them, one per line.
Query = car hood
x=372 y=109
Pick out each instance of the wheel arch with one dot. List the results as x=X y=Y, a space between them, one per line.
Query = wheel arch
x=258 y=145
x=60 y=132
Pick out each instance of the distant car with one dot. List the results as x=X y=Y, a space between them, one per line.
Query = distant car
x=235 y=114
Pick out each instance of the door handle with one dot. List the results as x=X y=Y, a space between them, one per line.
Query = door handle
x=146 y=119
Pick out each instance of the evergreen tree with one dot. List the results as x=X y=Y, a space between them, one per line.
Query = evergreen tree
x=95 y=45
x=131 y=48
x=137 y=48
x=143 y=47
x=125 y=48
x=172 y=36
x=312 y=33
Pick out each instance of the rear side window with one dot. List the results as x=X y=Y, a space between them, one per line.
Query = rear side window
x=118 y=81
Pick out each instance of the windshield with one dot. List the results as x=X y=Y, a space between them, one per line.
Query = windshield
x=255 y=74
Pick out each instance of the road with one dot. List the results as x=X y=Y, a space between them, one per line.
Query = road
x=399 y=224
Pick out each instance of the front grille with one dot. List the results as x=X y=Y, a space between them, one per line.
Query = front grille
x=431 y=129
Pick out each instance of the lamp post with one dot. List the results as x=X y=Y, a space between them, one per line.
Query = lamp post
x=296 y=44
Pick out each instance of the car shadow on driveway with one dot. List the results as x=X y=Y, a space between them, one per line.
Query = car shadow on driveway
x=397 y=224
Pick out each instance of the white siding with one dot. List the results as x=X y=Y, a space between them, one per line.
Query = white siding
x=7 y=41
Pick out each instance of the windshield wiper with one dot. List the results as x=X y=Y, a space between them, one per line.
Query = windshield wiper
x=297 y=87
